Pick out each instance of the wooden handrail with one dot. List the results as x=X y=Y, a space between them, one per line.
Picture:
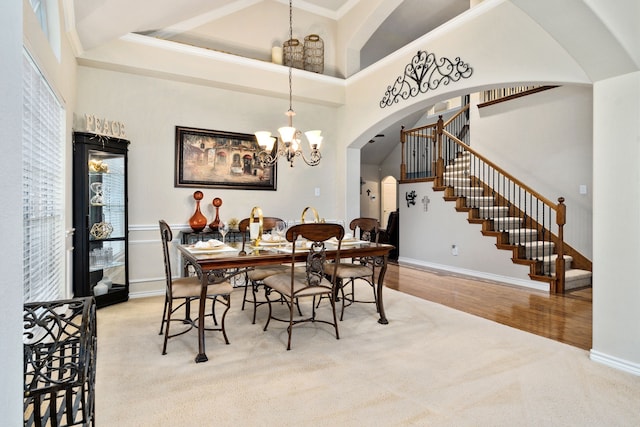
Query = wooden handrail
x=455 y=116
x=502 y=171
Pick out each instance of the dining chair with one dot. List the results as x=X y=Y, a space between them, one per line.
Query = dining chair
x=361 y=268
x=310 y=281
x=182 y=291
x=256 y=275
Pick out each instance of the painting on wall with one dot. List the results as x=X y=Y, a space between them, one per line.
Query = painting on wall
x=218 y=159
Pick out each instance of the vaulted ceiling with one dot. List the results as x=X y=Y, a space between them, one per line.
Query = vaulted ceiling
x=99 y=21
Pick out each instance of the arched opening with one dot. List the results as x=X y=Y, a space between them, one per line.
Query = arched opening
x=389 y=199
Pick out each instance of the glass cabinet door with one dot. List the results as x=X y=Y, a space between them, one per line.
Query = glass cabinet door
x=106 y=221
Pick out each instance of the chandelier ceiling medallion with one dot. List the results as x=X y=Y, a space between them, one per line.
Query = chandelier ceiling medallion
x=288 y=145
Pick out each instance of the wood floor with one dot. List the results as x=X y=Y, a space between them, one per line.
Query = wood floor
x=566 y=318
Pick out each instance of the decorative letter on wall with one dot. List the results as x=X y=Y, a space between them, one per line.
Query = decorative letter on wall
x=411 y=198
x=425 y=73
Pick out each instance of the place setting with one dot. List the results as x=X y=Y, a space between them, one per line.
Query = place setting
x=212 y=245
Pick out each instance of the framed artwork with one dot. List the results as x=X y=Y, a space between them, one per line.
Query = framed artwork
x=217 y=159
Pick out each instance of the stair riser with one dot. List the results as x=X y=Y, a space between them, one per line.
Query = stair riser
x=468 y=191
x=539 y=250
x=493 y=212
x=551 y=266
x=580 y=282
x=504 y=224
x=457 y=167
x=457 y=182
x=477 y=202
x=518 y=238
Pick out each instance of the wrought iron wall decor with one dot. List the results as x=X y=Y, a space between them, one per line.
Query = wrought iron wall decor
x=425 y=72
x=411 y=198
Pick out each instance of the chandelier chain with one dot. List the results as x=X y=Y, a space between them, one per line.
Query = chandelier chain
x=290 y=47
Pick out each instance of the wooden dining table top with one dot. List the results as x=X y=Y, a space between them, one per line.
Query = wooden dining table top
x=231 y=256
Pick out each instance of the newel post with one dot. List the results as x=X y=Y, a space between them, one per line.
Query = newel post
x=561 y=219
x=439 y=181
x=403 y=164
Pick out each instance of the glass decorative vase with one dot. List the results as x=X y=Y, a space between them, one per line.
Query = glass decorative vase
x=217 y=202
x=198 y=221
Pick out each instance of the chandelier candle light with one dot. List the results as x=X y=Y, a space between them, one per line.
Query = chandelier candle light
x=290 y=136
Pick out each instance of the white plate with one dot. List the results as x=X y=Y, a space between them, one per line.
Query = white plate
x=272 y=243
x=192 y=248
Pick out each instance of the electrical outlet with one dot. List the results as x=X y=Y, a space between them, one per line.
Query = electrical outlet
x=454 y=250
x=317 y=192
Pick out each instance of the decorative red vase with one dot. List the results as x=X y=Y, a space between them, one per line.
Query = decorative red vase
x=198 y=221
x=217 y=202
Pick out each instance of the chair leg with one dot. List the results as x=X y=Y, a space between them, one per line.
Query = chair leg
x=213 y=310
x=166 y=329
x=291 y=308
x=254 y=292
x=246 y=285
x=164 y=313
x=335 y=320
x=224 y=315
x=343 y=299
x=269 y=316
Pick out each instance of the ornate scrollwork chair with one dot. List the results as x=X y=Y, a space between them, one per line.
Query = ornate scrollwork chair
x=257 y=274
x=180 y=292
x=361 y=268
x=310 y=281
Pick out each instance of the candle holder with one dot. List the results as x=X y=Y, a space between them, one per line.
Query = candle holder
x=316 y=217
x=256 y=232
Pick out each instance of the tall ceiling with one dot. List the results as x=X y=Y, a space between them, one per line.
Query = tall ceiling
x=100 y=21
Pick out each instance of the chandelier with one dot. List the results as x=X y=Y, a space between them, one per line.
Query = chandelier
x=289 y=143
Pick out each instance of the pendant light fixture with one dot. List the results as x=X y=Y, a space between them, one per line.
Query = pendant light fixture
x=289 y=144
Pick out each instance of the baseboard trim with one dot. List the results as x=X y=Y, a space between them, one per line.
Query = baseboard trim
x=615 y=362
x=145 y=294
x=475 y=274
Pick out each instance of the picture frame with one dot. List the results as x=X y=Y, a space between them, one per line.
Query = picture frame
x=220 y=159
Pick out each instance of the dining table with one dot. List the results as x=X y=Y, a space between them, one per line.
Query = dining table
x=225 y=261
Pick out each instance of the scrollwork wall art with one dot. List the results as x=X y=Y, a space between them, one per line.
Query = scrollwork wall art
x=425 y=72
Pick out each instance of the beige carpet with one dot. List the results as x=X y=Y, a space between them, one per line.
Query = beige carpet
x=430 y=366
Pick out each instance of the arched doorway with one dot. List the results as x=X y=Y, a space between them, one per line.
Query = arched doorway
x=389 y=193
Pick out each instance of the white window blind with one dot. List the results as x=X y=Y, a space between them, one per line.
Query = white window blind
x=42 y=187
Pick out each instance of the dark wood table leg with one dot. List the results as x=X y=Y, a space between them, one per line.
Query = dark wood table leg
x=383 y=318
x=202 y=357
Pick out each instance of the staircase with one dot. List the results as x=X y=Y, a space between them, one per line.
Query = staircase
x=514 y=229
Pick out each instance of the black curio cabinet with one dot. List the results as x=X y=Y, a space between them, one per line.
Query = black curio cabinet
x=100 y=254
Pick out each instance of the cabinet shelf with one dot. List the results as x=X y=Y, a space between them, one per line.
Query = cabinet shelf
x=100 y=267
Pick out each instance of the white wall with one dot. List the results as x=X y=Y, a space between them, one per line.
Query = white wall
x=11 y=215
x=428 y=234
x=616 y=231
x=545 y=141
x=19 y=26
x=152 y=107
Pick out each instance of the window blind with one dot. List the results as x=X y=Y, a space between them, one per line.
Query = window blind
x=42 y=187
